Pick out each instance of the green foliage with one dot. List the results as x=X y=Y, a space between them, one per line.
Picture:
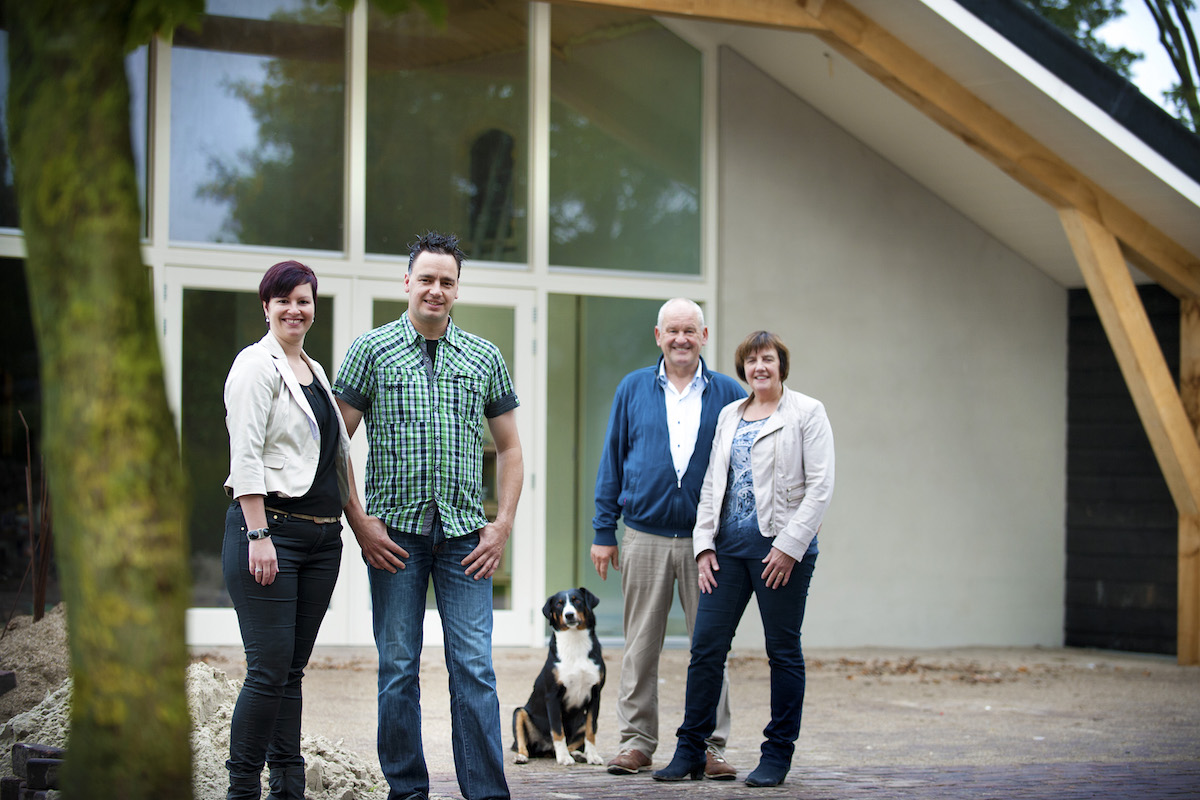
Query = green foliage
x=1080 y=19
x=434 y=9
x=1178 y=38
x=150 y=17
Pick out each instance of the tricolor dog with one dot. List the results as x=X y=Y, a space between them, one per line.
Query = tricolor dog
x=560 y=715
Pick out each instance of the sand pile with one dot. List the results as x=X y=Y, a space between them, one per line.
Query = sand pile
x=39 y=654
x=331 y=771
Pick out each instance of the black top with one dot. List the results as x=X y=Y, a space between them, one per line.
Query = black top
x=323 y=498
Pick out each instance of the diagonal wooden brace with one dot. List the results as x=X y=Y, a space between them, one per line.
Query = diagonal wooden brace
x=1160 y=406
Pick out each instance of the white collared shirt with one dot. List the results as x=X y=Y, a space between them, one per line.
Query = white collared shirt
x=683 y=416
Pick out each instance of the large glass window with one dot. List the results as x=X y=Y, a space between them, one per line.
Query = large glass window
x=625 y=143
x=594 y=343
x=257 y=125
x=217 y=324
x=448 y=128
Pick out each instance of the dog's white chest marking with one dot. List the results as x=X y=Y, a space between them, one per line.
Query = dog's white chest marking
x=576 y=670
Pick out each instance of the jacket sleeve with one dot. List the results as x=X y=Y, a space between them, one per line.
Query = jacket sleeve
x=610 y=474
x=704 y=535
x=817 y=443
x=250 y=390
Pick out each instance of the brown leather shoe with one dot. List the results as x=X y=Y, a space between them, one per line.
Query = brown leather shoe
x=717 y=768
x=631 y=762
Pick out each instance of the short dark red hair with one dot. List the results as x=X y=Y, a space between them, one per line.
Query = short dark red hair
x=282 y=278
x=761 y=340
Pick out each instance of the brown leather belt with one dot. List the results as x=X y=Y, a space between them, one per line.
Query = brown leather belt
x=308 y=517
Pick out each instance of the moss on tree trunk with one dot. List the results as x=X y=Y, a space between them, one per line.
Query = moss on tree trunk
x=109 y=439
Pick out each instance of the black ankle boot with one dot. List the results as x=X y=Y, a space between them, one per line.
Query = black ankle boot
x=766 y=774
x=287 y=783
x=681 y=768
x=244 y=787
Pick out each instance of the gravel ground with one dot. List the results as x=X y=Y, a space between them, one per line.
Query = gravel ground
x=863 y=707
x=866 y=709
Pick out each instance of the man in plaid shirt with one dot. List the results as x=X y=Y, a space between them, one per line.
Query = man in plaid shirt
x=424 y=387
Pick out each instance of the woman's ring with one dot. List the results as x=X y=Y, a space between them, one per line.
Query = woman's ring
x=258 y=570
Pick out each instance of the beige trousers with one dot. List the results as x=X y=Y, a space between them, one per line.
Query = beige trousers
x=651 y=566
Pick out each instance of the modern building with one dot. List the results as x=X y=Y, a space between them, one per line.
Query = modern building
x=932 y=202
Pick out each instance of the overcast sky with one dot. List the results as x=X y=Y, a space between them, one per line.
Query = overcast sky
x=1136 y=30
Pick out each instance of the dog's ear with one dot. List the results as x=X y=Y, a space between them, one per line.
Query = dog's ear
x=589 y=598
x=548 y=609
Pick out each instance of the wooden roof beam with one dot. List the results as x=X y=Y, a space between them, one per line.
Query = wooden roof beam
x=1167 y=414
x=998 y=139
x=760 y=13
x=1150 y=382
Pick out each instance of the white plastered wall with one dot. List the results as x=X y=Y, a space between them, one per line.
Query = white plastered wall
x=941 y=358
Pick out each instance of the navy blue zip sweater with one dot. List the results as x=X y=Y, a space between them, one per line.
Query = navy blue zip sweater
x=636 y=478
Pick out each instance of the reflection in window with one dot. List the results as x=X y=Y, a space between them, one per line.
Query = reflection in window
x=447 y=128
x=136 y=67
x=625 y=144
x=491 y=197
x=257 y=131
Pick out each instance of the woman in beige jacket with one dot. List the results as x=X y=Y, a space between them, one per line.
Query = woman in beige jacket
x=289 y=477
x=768 y=485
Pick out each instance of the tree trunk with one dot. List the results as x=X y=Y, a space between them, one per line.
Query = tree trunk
x=109 y=439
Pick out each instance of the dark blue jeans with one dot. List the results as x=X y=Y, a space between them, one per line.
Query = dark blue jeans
x=465 y=605
x=279 y=626
x=717 y=618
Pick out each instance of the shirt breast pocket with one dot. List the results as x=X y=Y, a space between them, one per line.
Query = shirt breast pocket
x=403 y=394
x=465 y=394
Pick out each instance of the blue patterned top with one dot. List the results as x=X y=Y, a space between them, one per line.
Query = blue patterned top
x=739 y=535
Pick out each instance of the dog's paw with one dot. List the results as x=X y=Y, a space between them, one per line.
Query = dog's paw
x=564 y=760
x=520 y=758
x=578 y=756
x=592 y=755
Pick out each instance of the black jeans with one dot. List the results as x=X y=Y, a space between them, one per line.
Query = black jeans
x=279 y=625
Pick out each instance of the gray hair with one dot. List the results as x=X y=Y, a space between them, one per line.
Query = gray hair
x=691 y=304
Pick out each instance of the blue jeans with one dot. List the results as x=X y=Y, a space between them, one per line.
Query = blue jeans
x=465 y=605
x=279 y=625
x=717 y=618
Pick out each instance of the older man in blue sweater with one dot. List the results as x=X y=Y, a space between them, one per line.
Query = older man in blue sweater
x=656 y=450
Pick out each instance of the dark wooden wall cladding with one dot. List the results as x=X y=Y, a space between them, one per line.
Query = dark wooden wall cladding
x=1122 y=526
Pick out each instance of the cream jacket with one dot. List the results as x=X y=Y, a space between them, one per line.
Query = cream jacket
x=792 y=461
x=274 y=441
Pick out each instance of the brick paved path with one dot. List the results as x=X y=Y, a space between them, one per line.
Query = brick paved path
x=1064 y=781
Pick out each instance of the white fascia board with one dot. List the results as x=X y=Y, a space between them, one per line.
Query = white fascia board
x=1071 y=101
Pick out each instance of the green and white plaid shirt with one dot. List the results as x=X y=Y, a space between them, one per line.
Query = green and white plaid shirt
x=425 y=422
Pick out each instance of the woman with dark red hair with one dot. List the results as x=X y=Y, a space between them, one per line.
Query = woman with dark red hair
x=289 y=480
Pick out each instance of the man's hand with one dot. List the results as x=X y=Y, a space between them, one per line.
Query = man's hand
x=707 y=564
x=602 y=555
x=378 y=548
x=484 y=560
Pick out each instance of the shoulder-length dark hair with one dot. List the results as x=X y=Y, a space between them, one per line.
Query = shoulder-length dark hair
x=761 y=340
x=282 y=278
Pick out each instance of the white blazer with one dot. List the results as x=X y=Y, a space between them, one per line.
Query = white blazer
x=274 y=441
x=792 y=462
